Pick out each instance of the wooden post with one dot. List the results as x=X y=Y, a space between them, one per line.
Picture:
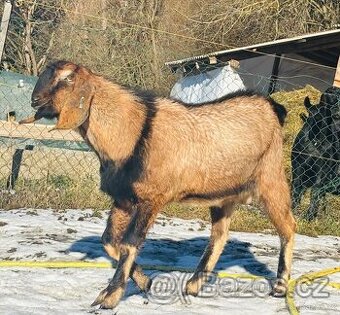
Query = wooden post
x=336 y=82
x=6 y=15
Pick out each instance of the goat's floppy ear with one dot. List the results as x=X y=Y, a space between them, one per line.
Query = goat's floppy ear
x=76 y=110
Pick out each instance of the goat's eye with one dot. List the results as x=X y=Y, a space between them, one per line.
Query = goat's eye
x=67 y=79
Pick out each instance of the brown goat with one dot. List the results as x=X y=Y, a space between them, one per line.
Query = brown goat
x=154 y=151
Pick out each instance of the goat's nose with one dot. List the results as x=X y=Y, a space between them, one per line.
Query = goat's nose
x=35 y=98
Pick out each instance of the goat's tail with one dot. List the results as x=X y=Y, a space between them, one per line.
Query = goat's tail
x=279 y=110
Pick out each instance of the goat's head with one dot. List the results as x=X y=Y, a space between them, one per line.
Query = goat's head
x=315 y=136
x=63 y=91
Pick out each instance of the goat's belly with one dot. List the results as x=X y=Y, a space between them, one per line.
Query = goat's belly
x=203 y=202
x=217 y=197
x=245 y=197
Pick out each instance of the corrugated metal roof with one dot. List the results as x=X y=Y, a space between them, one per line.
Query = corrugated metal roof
x=298 y=44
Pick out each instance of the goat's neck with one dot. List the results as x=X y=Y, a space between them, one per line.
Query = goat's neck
x=115 y=123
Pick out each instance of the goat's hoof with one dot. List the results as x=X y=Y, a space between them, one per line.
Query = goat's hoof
x=109 y=298
x=280 y=288
x=192 y=287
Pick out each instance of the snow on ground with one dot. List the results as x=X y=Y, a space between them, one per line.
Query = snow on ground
x=45 y=235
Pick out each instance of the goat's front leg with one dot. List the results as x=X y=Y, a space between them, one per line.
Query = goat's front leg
x=117 y=223
x=133 y=237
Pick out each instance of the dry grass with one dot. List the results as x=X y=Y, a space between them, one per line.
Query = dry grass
x=252 y=219
x=57 y=192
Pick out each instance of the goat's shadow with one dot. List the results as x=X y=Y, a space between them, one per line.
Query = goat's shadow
x=182 y=253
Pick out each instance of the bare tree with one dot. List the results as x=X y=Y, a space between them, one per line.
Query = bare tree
x=236 y=23
x=129 y=40
x=31 y=32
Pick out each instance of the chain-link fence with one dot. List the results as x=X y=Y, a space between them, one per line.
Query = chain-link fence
x=39 y=168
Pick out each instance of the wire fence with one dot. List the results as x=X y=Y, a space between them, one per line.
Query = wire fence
x=39 y=168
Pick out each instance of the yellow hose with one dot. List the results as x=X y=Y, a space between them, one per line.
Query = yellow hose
x=309 y=277
x=81 y=265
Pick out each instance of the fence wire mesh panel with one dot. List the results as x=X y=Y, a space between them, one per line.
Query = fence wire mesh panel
x=129 y=42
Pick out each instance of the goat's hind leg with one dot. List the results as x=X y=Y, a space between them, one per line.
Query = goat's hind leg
x=274 y=193
x=220 y=219
x=116 y=225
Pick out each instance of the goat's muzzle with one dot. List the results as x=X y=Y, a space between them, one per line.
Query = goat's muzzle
x=44 y=109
